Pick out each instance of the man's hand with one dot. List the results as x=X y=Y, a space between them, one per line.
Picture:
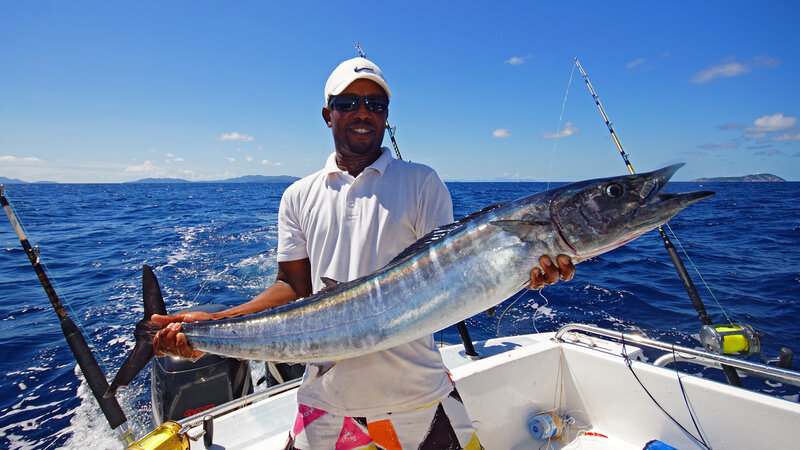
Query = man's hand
x=551 y=273
x=169 y=340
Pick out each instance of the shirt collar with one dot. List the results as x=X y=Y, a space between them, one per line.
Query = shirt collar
x=380 y=165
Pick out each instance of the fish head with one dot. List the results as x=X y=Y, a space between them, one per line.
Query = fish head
x=600 y=215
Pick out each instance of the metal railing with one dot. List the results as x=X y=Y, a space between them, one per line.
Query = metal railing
x=197 y=419
x=686 y=354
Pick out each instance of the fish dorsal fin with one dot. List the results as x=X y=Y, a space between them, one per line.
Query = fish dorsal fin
x=439 y=233
x=524 y=229
x=328 y=282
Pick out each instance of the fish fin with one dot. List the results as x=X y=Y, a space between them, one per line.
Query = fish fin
x=144 y=333
x=439 y=233
x=151 y=293
x=328 y=282
x=324 y=367
x=521 y=228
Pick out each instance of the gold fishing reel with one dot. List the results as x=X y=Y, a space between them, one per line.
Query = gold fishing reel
x=730 y=338
x=168 y=436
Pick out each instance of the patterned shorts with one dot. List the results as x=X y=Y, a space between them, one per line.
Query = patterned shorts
x=440 y=425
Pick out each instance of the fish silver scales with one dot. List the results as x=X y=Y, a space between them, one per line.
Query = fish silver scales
x=454 y=272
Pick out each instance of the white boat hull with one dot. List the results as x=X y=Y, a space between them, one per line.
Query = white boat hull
x=521 y=376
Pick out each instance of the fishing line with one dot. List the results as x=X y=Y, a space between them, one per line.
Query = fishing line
x=500 y=319
x=558 y=132
x=54 y=281
x=539 y=308
x=685 y=399
x=74 y=331
x=630 y=367
x=697 y=271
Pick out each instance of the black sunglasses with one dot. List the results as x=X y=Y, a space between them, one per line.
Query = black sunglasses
x=351 y=102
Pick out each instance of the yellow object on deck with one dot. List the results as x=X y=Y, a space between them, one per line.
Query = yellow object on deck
x=165 y=437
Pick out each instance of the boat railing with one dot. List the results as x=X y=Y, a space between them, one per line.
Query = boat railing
x=197 y=419
x=685 y=354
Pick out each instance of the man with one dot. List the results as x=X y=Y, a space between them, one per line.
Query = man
x=345 y=221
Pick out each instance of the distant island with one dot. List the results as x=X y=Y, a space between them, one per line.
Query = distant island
x=757 y=177
x=244 y=179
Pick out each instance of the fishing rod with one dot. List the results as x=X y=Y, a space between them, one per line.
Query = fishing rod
x=745 y=337
x=463 y=332
x=80 y=349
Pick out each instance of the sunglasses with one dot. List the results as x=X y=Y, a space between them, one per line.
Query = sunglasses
x=351 y=102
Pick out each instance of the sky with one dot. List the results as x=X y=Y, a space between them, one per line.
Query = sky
x=99 y=92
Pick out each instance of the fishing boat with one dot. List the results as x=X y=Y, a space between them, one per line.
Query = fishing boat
x=581 y=387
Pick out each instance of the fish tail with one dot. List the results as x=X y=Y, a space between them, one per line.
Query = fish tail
x=145 y=332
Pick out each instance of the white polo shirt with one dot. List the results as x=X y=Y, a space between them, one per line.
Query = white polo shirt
x=349 y=227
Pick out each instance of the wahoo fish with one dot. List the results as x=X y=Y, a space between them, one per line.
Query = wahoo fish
x=453 y=273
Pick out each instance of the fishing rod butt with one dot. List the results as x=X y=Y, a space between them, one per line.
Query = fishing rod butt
x=94 y=376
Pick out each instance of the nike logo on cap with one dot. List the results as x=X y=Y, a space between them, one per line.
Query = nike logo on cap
x=361 y=69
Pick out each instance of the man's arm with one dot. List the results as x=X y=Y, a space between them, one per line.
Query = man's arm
x=292 y=282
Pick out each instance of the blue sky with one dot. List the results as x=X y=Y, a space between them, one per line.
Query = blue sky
x=118 y=91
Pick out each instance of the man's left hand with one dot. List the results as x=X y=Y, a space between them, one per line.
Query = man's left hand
x=550 y=273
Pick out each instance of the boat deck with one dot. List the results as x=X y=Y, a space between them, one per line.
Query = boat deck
x=588 y=379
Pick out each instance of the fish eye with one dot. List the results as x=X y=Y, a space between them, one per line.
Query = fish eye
x=614 y=190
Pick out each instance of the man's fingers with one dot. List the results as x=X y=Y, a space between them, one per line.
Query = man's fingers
x=566 y=267
x=537 y=279
x=551 y=273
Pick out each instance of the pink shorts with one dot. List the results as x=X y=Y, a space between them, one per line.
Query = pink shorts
x=440 y=425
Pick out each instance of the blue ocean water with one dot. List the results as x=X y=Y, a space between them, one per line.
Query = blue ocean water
x=216 y=243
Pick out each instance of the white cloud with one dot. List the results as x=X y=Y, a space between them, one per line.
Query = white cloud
x=248 y=158
x=634 y=63
x=267 y=162
x=235 y=137
x=569 y=129
x=775 y=127
x=787 y=137
x=516 y=60
x=773 y=123
x=145 y=167
x=725 y=71
x=8 y=159
x=719 y=146
x=501 y=133
x=171 y=158
x=229 y=159
x=731 y=68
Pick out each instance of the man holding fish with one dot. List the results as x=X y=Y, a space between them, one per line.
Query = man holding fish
x=341 y=223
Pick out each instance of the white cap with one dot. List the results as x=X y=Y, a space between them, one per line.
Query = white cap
x=351 y=70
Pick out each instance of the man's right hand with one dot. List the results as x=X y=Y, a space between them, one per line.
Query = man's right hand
x=292 y=282
x=169 y=340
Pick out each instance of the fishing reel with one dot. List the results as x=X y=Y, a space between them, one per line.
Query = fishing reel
x=741 y=339
x=726 y=339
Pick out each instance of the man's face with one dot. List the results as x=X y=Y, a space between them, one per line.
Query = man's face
x=360 y=131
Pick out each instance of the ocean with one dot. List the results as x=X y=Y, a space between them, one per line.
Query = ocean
x=215 y=243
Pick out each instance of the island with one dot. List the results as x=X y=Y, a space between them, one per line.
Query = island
x=756 y=177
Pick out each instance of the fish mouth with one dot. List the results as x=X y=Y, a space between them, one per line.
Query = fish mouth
x=657 y=207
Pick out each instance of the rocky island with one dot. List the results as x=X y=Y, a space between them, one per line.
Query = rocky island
x=757 y=177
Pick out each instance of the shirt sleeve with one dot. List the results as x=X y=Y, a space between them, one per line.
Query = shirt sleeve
x=436 y=208
x=291 y=239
